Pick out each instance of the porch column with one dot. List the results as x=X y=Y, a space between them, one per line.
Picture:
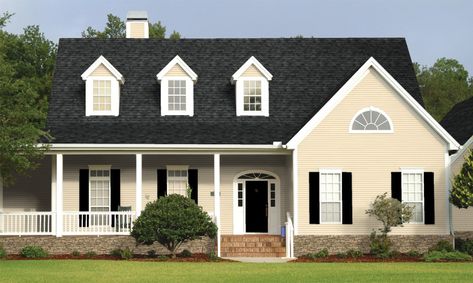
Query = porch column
x=295 y=191
x=139 y=183
x=217 y=198
x=59 y=195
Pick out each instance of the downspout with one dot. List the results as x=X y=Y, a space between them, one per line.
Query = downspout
x=448 y=175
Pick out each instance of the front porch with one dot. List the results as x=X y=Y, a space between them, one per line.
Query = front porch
x=53 y=200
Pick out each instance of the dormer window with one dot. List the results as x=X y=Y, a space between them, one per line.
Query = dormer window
x=177 y=88
x=252 y=89
x=102 y=89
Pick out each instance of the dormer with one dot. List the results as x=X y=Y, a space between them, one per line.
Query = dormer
x=102 y=89
x=177 y=88
x=252 y=89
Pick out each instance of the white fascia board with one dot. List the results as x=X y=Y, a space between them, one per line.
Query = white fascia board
x=462 y=150
x=348 y=87
x=180 y=62
x=108 y=65
x=248 y=63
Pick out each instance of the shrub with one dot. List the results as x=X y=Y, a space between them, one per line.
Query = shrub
x=186 y=253
x=126 y=253
x=152 y=254
x=172 y=221
x=90 y=254
x=446 y=256
x=442 y=246
x=354 y=253
x=380 y=245
x=33 y=252
x=162 y=257
x=414 y=253
x=464 y=246
x=116 y=252
x=320 y=254
x=342 y=255
x=75 y=253
x=3 y=253
x=213 y=256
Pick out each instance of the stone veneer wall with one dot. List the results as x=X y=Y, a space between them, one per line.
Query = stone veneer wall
x=464 y=235
x=99 y=245
x=335 y=244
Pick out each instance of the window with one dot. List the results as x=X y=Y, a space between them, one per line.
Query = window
x=99 y=189
x=240 y=194
x=330 y=196
x=177 y=95
x=413 y=193
x=102 y=95
x=273 y=195
x=252 y=95
x=371 y=120
x=177 y=180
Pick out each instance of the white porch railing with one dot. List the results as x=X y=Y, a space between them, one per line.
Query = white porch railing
x=98 y=223
x=26 y=223
x=289 y=237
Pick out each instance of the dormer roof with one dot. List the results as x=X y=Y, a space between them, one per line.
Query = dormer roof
x=102 y=61
x=177 y=61
x=252 y=62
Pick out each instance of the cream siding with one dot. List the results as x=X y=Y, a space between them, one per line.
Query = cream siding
x=31 y=192
x=101 y=71
x=177 y=71
x=462 y=218
x=371 y=158
x=137 y=30
x=252 y=71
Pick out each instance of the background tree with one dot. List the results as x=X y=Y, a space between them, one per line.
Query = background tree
x=443 y=85
x=462 y=189
x=172 y=221
x=26 y=67
x=116 y=28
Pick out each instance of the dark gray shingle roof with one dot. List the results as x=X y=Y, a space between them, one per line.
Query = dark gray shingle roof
x=459 y=121
x=307 y=72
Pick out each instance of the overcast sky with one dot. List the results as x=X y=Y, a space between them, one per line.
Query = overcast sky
x=433 y=28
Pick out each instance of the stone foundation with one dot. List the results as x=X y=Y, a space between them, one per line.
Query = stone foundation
x=464 y=234
x=336 y=244
x=99 y=245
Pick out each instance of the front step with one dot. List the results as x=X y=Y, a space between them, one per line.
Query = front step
x=252 y=246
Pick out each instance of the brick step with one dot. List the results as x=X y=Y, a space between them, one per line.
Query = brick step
x=252 y=244
x=252 y=238
x=254 y=250
x=253 y=254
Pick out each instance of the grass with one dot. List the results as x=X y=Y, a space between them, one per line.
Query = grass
x=129 y=271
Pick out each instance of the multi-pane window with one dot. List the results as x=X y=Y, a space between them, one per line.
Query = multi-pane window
x=413 y=194
x=102 y=95
x=99 y=189
x=177 y=181
x=330 y=197
x=273 y=195
x=177 y=95
x=252 y=95
x=240 y=194
x=370 y=120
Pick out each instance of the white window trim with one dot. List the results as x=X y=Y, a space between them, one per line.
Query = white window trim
x=177 y=168
x=372 y=108
x=264 y=97
x=114 y=96
x=415 y=171
x=101 y=167
x=330 y=171
x=165 y=97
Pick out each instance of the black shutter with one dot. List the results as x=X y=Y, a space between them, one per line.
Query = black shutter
x=194 y=184
x=314 y=200
x=347 y=210
x=83 y=196
x=162 y=183
x=114 y=191
x=429 y=201
x=396 y=186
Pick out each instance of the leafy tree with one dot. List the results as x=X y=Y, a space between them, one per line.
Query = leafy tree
x=172 y=221
x=443 y=85
x=116 y=28
x=462 y=189
x=26 y=67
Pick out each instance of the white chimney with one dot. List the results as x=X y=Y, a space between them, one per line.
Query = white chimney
x=137 y=24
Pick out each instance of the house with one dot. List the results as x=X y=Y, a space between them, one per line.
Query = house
x=458 y=122
x=300 y=133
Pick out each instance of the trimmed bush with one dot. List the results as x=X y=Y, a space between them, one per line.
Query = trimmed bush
x=464 y=246
x=33 y=252
x=320 y=254
x=342 y=255
x=75 y=253
x=152 y=254
x=185 y=253
x=433 y=256
x=3 y=253
x=126 y=253
x=116 y=252
x=414 y=253
x=380 y=245
x=354 y=253
x=90 y=254
x=442 y=246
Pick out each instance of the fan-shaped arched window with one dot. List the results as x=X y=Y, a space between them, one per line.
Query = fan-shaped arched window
x=370 y=120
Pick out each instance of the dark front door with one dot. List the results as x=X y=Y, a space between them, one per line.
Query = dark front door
x=256 y=206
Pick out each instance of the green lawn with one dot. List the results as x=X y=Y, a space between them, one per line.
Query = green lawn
x=129 y=271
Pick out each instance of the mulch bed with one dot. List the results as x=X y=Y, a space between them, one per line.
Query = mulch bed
x=197 y=257
x=364 y=258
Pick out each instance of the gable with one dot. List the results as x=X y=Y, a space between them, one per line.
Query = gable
x=252 y=71
x=101 y=70
x=176 y=71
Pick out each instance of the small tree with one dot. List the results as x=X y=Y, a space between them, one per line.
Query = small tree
x=172 y=221
x=391 y=213
x=462 y=189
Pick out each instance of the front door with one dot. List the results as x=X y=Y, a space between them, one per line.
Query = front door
x=256 y=206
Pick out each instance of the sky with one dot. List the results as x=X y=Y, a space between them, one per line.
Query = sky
x=432 y=28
